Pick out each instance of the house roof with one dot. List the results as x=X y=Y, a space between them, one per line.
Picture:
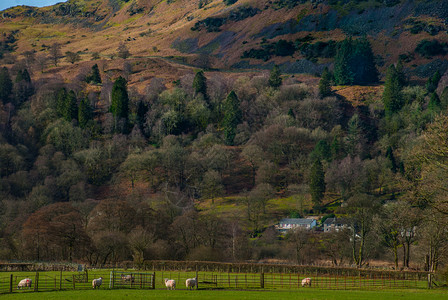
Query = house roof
x=336 y=221
x=297 y=221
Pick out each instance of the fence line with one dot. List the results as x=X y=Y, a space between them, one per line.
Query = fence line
x=50 y=281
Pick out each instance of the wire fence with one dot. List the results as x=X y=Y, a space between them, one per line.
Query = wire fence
x=133 y=279
x=51 y=281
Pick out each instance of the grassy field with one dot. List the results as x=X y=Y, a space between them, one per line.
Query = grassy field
x=52 y=281
x=220 y=294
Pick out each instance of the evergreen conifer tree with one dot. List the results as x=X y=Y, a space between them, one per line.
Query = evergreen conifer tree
x=355 y=63
x=84 y=112
x=434 y=102
x=60 y=101
x=343 y=75
x=95 y=76
x=70 y=107
x=232 y=117
x=325 y=83
x=200 y=85
x=23 y=88
x=354 y=135
x=120 y=99
x=5 y=85
x=433 y=82
x=317 y=183
x=321 y=151
x=401 y=75
x=336 y=148
x=362 y=62
x=392 y=97
x=275 y=79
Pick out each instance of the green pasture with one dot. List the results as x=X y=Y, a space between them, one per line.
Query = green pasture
x=50 y=281
x=235 y=294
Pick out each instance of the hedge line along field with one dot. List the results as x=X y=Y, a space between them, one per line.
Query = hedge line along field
x=236 y=294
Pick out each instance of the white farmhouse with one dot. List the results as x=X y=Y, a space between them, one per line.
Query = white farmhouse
x=298 y=223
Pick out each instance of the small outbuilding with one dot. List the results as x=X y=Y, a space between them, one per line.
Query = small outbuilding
x=335 y=224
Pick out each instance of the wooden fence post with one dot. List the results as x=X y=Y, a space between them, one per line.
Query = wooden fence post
x=262 y=280
x=36 y=284
x=60 y=281
x=429 y=280
x=11 y=278
x=197 y=279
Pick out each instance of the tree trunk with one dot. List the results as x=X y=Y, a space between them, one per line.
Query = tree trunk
x=404 y=254
x=396 y=257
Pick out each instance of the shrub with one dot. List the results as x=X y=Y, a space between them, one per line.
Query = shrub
x=429 y=49
x=230 y=2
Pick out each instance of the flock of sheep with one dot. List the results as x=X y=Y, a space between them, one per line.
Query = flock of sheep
x=169 y=283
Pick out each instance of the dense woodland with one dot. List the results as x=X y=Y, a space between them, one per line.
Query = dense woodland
x=95 y=171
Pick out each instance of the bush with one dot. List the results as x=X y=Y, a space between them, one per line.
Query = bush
x=284 y=48
x=319 y=49
x=214 y=24
x=257 y=54
x=230 y=2
x=429 y=49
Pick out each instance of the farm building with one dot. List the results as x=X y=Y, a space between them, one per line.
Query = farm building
x=297 y=223
x=335 y=224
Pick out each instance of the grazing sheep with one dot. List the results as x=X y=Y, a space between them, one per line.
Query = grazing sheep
x=96 y=283
x=170 y=284
x=191 y=283
x=127 y=278
x=25 y=283
x=306 y=282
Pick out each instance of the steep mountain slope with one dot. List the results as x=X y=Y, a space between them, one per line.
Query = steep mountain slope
x=213 y=34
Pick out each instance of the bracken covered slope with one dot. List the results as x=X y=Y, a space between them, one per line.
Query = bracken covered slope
x=245 y=35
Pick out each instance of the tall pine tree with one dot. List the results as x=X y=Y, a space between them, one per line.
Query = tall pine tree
x=433 y=82
x=354 y=63
x=94 y=76
x=342 y=73
x=23 y=88
x=61 y=96
x=200 y=85
x=70 y=107
x=275 y=79
x=120 y=99
x=362 y=62
x=232 y=117
x=434 y=102
x=392 y=97
x=5 y=85
x=85 y=112
x=325 y=83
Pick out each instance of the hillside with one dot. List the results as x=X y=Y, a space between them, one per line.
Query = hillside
x=218 y=35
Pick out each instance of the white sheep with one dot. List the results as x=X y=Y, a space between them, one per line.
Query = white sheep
x=96 y=283
x=170 y=284
x=127 y=278
x=25 y=283
x=191 y=283
x=306 y=282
